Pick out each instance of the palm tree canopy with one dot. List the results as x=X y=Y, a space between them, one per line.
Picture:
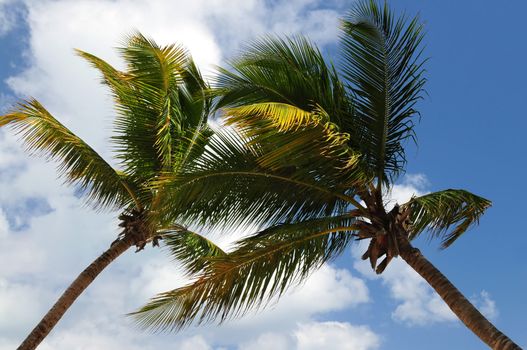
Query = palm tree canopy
x=160 y=106
x=294 y=110
x=310 y=149
x=160 y=113
x=161 y=118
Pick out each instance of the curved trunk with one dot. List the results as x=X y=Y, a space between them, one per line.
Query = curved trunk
x=463 y=309
x=72 y=293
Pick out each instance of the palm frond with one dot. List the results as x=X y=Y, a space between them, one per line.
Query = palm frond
x=438 y=212
x=284 y=117
x=160 y=105
x=383 y=66
x=271 y=123
x=228 y=185
x=189 y=248
x=78 y=162
x=288 y=71
x=260 y=268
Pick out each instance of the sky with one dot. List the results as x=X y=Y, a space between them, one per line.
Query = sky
x=469 y=136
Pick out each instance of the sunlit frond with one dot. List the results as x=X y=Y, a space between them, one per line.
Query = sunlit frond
x=262 y=266
x=383 y=66
x=278 y=124
x=78 y=162
x=284 y=117
x=288 y=71
x=441 y=211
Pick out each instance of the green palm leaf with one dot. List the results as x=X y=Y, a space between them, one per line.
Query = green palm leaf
x=439 y=211
x=286 y=73
x=189 y=248
x=383 y=67
x=228 y=185
x=291 y=71
x=262 y=266
x=78 y=162
x=160 y=105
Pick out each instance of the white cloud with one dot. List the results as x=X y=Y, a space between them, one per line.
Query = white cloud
x=4 y=225
x=486 y=305
x=419 y=304
x=8 y=16
x=332 y=289
x=194 y=343
x=413 y=185
x=335 y=336
x=18 y=302
x=328 y=289
x=87 y=335
x=6 y=101
x=317 y=335
x=275 y=341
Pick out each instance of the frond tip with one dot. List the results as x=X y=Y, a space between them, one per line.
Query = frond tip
x=78 y=162
x=439 y=211
x=383 y=66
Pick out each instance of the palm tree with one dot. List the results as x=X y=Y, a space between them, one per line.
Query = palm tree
x=311 y=154
x=161 y=112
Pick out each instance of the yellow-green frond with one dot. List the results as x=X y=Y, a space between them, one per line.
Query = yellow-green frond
x=78 y=162
x=292 y=131
x=160 y=105
x=284 y=116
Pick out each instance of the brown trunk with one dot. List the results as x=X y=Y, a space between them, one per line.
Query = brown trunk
x=72 y=293
x=463 y=309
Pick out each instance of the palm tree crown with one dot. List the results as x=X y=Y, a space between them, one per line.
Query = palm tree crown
x=311 y=151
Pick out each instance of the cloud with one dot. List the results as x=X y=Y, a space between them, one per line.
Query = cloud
x=18 y=302
x=6 y=100
x=336 y=336
x=486 y=305
x=333 y=289
x=419 y=304
x=4 y=225
x=45 y=256
x=412 y=185
x=318 y=335
x=194 y=343
x=275 y=341
x=8 y=16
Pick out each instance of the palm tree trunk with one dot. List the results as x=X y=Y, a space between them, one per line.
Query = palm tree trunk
x=73 y=292
x=463 y=309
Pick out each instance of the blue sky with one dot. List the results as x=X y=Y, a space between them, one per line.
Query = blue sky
x=470 y=136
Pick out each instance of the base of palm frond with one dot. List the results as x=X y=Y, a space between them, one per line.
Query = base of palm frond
x=384 y=237
x=135 y=225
